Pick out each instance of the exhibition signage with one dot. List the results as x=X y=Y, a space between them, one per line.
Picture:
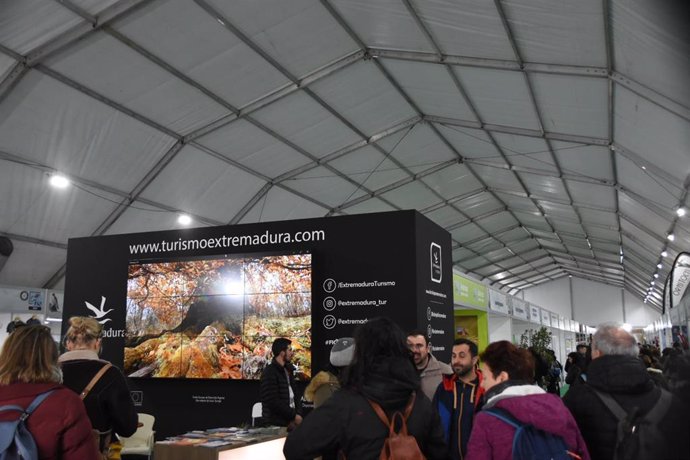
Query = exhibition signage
x=545 y=318
x=498 y=301
x=520 y=309
x=554 y=320
x=469 y=293
x=534 y=314
x=677 y=283
x=207 y=303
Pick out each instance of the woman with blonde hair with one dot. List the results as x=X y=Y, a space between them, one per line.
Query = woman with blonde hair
x=28 y=368
x=100 y=384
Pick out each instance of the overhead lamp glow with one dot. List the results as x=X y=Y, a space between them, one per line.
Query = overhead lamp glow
x=656 y=275
x=653 y=283
x=664 y=253
x=184 y=219
x=58 y=181
x=659 y=266
x=627 y=327
x=680 y=211
x=671 y=237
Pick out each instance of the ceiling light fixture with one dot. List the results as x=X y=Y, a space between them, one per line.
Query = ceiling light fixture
x=680 y=211
x=656 y=275
x=664 y=253
x=184 y=219
x=659 y=265
x=671 y=236
x=59 y=181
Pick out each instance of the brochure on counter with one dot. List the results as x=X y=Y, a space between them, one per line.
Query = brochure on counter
x=219 y=437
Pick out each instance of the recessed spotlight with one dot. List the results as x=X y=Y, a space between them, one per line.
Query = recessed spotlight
x=58 y=181
x=671 y=237
x=184 y=219
x=659 y=265
x=664 y=253
x=644 y=167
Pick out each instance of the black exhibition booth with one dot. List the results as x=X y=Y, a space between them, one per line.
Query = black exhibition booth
x=190 y=314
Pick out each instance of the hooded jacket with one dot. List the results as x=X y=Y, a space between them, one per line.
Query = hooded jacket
x=321 y=387
x=492 y=438
x=456 y=403
x=628 y=382
x=432 y=375
x=347 y=421
x=108 y=404
x=59 y=426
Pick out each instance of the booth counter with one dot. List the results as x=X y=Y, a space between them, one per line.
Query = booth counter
x=210 y=445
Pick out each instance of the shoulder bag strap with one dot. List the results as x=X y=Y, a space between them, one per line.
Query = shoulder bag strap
x=94 y=380
x=611 y=403
x=379 y=411
x=658 y=411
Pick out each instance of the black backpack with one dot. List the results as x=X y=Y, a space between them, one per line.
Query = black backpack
x=638 y=437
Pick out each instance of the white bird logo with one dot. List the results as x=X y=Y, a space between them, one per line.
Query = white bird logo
x=98 y=314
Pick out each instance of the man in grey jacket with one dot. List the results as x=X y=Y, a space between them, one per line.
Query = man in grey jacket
x=430 y=369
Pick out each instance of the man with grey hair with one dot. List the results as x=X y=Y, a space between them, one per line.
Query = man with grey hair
x=617 y=381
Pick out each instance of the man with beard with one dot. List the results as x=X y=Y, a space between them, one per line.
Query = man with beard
x=429 y=368
x=458 y=397
x=276 y=389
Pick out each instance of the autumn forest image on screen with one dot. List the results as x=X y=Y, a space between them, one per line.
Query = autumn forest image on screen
x=217 y=317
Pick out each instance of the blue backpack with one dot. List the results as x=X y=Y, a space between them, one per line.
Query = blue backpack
x=16 y=442
x=530 y=443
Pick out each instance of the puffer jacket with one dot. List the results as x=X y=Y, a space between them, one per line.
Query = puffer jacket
x=347 y=421
x=59 y=426
x=492 y=438
x=628 y=382
x=275 y=395
x=109 y=403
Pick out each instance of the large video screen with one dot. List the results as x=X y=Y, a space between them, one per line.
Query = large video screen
x=216 y=317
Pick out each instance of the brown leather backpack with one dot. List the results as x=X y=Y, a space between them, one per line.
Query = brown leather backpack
x=398 y=445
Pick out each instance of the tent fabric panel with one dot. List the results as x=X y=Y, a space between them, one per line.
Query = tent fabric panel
x=470 y=143
x=204 y=185
x=500 y=96
x=543 y=29
x=316 y=130
x=445 y=216
x=142 y=217
x=513 y=236
x=653 y=133
x=596 y=195
x=411 y=196
x=479 y=204
x=533 y=222
x=487 y=245
x=369 y=167
x=93 y=7
x=544 y=186
x=182 y=34
x=572 y=105
x=368 y=206
x=453 y=181
x=645 y=216
x=325 y=186
x=587 y=161
x=591 y=217
x=518 y=203
x=530 y=152
x=22 y=267
x=27 y=24
x=646 y=49
x=105 y=65
x=363 y=96
x=431 y=88
x=56 y=126
x=497 y=222
x=37 y=210
x=6 y=65
x=419 y=149
x=457 y=24
x=501 y=179
x=608 y=234
x=382 y=24
x=300 y=35
x=558 y=211
x=247 y=144
x=461 y=254
x=467 y=232
x=642 y=242
x=280 y=204
x=646 y=183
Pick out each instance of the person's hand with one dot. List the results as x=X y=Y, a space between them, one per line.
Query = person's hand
x=298 y=419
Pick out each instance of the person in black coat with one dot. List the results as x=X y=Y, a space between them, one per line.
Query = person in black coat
x=382 y=371
x=108 y=404
x=279 y=406
x=615 y=369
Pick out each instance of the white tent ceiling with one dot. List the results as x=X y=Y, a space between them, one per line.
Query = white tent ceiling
x=548 y=137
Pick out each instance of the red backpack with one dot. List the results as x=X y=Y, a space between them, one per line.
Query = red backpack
x=398 y=445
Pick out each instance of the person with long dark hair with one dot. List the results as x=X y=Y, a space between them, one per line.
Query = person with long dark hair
x=382 y=371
